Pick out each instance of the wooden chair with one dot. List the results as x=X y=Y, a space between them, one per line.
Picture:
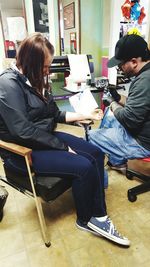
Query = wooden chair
x=39 y=187
x=140 y=169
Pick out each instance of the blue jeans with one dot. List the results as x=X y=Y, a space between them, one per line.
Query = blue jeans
x=115 y=141
x=86 y=168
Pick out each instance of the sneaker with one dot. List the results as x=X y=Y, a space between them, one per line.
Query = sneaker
x=122 y=168
x=84 y=227
x=108 y=230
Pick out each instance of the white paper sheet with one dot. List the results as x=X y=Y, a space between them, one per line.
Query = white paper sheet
x=83 y=102
x=79 y=67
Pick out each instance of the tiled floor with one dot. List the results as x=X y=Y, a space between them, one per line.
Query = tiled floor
x=21 y=244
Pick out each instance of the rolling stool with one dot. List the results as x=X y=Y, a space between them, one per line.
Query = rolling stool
x=134 y=170
x=3 y=198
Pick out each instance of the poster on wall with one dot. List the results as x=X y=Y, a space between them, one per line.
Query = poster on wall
x=69 y=16
x=40 y=10
x=73 y=43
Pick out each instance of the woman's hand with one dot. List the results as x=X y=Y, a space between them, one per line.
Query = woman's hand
x=97 y=115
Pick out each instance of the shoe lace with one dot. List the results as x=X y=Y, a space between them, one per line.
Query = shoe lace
x=112 y=228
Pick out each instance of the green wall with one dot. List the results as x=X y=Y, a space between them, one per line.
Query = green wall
x=91 y=30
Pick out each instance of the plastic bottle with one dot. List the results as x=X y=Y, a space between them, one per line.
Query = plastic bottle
x=88 y=80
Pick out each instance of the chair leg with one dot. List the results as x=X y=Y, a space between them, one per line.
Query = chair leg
x=131 y=173
x=86 y=129
x=42 y=221
x=142 y=188
x=38 y=206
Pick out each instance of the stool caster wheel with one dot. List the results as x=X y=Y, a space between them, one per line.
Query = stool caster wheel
x=48 y=244
x=131 y=196
x=3 y=198
x=129 y=175
x=1 y=215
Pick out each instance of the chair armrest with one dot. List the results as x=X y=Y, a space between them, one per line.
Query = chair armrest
x=84 y=123
x=17 y=149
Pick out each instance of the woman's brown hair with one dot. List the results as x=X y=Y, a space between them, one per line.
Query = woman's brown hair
x=31 y=57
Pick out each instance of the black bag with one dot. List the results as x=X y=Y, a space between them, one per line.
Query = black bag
x=3 y=198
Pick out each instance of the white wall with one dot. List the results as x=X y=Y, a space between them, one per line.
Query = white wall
x=115 y=17
x=2 y=51
x=52 y=17
x=29 y=16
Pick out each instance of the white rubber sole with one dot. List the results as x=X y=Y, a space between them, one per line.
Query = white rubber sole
x=123 y=242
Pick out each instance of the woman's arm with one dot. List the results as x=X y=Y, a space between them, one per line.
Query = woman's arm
x=97 y=114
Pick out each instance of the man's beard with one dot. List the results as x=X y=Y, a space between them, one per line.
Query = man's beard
x=128 y=74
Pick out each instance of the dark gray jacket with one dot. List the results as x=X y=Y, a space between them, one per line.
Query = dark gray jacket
x=135 y=116
x=25 y=117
